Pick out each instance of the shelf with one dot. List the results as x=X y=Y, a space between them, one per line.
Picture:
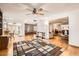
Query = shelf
x=1 y=24
x=0 y=28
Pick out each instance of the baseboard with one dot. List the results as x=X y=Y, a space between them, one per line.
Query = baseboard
x=74 y=46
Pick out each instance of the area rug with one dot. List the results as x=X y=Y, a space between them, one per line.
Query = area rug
x=36 y=48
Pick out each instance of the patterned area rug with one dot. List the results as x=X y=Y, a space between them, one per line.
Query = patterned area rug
x=36 y=48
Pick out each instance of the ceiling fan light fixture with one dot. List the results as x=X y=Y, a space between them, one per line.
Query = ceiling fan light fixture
x=34 y=11
x=41 y=9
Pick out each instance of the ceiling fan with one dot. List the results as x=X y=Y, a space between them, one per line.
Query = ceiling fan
x=36 y=11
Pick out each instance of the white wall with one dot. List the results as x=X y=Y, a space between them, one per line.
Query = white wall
x=73 y=26
x=57 y=26
x=47 y=29
x=17 y=28
x=65 y=27
x=17 y=17
x=50 y=27
x=40 y=26
x=43 y=26
x=74 y=29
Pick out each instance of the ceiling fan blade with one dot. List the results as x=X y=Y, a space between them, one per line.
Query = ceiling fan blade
x=29 y=9
x=42 y=10
x=39 y=13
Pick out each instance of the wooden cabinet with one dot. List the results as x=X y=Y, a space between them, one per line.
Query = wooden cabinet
x=0 y=31
x=0 y=22
x=4 y=39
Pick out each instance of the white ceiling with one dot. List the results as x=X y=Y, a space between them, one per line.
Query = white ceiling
x=64 y=20
x=18 y=10
x=61 y=7
x=51 y=7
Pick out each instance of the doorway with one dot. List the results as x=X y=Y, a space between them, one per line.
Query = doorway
x=59 y=32
x=30 y=31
